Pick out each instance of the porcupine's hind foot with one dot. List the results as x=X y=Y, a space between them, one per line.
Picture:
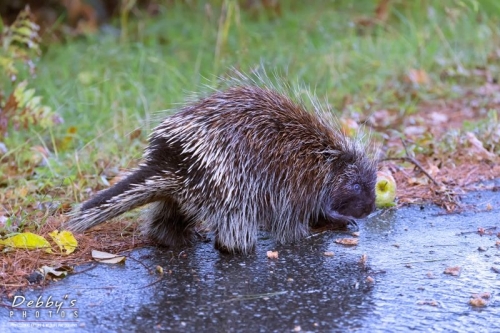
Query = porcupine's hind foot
x=232 y=235
x=166 y=225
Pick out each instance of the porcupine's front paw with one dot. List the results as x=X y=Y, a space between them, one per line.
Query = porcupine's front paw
x=337 y=222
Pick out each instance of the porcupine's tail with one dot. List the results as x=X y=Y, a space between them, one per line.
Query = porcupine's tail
x=142 y=186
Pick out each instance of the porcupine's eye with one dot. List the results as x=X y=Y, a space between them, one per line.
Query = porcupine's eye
x=356 y=188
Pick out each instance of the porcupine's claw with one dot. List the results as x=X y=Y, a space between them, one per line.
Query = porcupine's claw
x=352 y=225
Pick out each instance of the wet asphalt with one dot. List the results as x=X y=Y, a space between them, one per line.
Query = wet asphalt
x=401 y=286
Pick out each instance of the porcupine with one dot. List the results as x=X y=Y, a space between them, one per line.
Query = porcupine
x=238 y=159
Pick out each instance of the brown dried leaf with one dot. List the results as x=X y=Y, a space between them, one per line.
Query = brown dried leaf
x=415 y=130
x=478 y=302
x=135 y=134
x=382 y=11
x=454 y=270
x=272 y=254
x=349 y=126
x=418 y=180
x=347 y=241
x=418 y=76
x=477 y=148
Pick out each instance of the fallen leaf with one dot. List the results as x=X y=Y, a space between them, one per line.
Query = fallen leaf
x=329 y=254
x=438 y=118
x=477 y=148
x=455 y=270
x=27 y=240
x=272 y=254
x=3 y=149
x=107 y=258
x=135 y=134
x=65 y=240
x=347 y=241
x=349 y=126
x=418 y=180
x=382 y=118
x=480 y=300
x=57 y=272
x=3 y=221
x=418 y=76
x=415 y=130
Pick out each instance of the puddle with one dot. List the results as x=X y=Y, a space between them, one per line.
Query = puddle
x=303 y=290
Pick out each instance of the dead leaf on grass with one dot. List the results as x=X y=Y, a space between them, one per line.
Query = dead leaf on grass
x=438 y=118
x=418 y=76
x=349 y=126
x=382 y=118
x=477 y=148
x=415 y=130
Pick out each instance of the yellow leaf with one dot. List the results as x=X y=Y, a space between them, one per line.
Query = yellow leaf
x=65 y=240
x=27 y=240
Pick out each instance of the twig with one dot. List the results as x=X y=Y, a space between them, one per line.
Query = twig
x=137 y=261
x=85 y=270
x=151 y=284
x=410 y=159
x=314 y=234
x=476 y=231
x=421 y=261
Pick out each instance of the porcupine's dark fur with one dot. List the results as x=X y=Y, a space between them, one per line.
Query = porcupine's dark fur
x=237 y=159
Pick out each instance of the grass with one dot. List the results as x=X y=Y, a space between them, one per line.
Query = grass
x=107 y=88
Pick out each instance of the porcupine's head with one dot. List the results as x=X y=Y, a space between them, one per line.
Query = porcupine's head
x=352 y=190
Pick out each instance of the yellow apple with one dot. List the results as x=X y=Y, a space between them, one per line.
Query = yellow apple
x=385 y=189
